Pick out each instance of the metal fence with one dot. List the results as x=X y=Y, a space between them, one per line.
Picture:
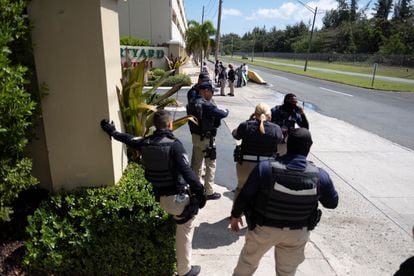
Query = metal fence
x=391 y=60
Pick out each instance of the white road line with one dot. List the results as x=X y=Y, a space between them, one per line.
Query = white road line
x=330 y=90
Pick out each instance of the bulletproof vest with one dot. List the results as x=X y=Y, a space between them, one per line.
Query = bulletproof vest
x=205 y=123
x=292 y=198
x=157 y=163
x=256 y=143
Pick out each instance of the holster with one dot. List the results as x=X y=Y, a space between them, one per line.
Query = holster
x=314 y=219
x=238 y=154
x=189 y=211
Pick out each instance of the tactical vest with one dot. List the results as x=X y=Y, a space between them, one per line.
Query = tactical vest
x=291 y=200
x=157 y=163
x=205 y=124
x=255 y=143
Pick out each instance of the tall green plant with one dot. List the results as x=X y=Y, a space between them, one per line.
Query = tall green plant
x=16 y=106
x=138 y=106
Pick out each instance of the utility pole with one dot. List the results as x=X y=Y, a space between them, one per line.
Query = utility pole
x=218 y=31
x=201 y=50
x=310 y=39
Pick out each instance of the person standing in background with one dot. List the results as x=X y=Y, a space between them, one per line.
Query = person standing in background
x=231 y=76
x=222 y=79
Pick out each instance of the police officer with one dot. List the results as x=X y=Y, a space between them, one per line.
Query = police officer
x=280 y=200
x=259 y=142
x=287 y=115
x=166 y=163
x=203 y=135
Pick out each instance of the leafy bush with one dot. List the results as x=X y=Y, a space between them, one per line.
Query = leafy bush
x=158 y=72
x=131 y=41
x=16 y=106
x=180 y=78
x=115 y=230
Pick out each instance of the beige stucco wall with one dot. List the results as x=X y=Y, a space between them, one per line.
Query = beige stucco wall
x=76 y=47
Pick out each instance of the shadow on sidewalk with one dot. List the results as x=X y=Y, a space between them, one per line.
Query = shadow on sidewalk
x=209 y=236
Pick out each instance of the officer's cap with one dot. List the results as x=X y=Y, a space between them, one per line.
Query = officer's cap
x=206 y=85
x=299 y=141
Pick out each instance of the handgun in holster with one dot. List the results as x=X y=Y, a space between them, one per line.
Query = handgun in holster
x=210 y=151
x=238 y=154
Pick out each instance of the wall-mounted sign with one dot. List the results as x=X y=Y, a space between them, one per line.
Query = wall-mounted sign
x=138 y=53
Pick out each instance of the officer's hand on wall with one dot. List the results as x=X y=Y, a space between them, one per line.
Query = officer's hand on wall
x=108 y=127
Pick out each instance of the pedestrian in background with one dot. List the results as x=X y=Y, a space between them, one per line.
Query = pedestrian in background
x=203 y=136
x=231 y=76
x=204 y=68
x=222 y=79
x=259 y=138
x=239 y=74
x=166 y=166
x=280 y=203
x=216 y=71
x=245 y=71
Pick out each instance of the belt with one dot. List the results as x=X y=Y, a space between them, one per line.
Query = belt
x=293 y=228
x=256 y=158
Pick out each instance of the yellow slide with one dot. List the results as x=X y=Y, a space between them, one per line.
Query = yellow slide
x=253 y=76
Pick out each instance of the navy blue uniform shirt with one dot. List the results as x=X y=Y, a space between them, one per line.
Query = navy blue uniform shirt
x=261 y=176
x=178 y=155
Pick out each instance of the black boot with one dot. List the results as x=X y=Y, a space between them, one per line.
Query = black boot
x=194 y=271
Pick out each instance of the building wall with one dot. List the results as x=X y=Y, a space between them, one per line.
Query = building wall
x=76 y=49
x=159 y=21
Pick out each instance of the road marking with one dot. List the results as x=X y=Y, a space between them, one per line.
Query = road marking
x=330 y=90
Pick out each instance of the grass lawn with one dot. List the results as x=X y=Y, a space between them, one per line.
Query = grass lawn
x=398 y=72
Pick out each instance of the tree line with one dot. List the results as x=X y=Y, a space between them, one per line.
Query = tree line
x=348 y=29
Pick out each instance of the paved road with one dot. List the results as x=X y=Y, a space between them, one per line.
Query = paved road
x=369 y=76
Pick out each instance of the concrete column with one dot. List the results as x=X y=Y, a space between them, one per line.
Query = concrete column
x=77 y=56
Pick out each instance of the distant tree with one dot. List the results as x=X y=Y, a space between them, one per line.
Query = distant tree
x=403 y=10
x=382 y=9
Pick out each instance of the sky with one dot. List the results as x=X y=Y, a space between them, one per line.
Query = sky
x=241 y=16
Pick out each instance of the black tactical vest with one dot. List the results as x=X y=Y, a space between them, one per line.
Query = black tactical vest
x=206 y=124
x=157 y=163
x=255 y=143
x=292 y=198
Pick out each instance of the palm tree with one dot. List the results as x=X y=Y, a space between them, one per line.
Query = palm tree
x=198 y=38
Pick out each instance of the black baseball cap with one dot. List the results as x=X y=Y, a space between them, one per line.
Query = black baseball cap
x=206 y=85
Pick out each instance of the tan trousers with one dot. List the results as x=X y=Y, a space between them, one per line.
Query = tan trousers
x=289 y=248
x=231 y=86
x=222 y=87
x=183 y=233
x=197 y=161
x=243 y=171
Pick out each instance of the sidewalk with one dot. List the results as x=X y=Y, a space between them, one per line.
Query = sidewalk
x=368 y=234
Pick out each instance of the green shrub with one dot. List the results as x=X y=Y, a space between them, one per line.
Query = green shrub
x=158 y=72
x=115 y=230
x=131 y=41
x=16 y=105
x=180 y=78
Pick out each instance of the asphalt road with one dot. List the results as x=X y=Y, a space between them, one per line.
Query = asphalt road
x=387 y=114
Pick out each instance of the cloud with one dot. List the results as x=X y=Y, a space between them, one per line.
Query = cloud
x=232 y=12
x=294 y=12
